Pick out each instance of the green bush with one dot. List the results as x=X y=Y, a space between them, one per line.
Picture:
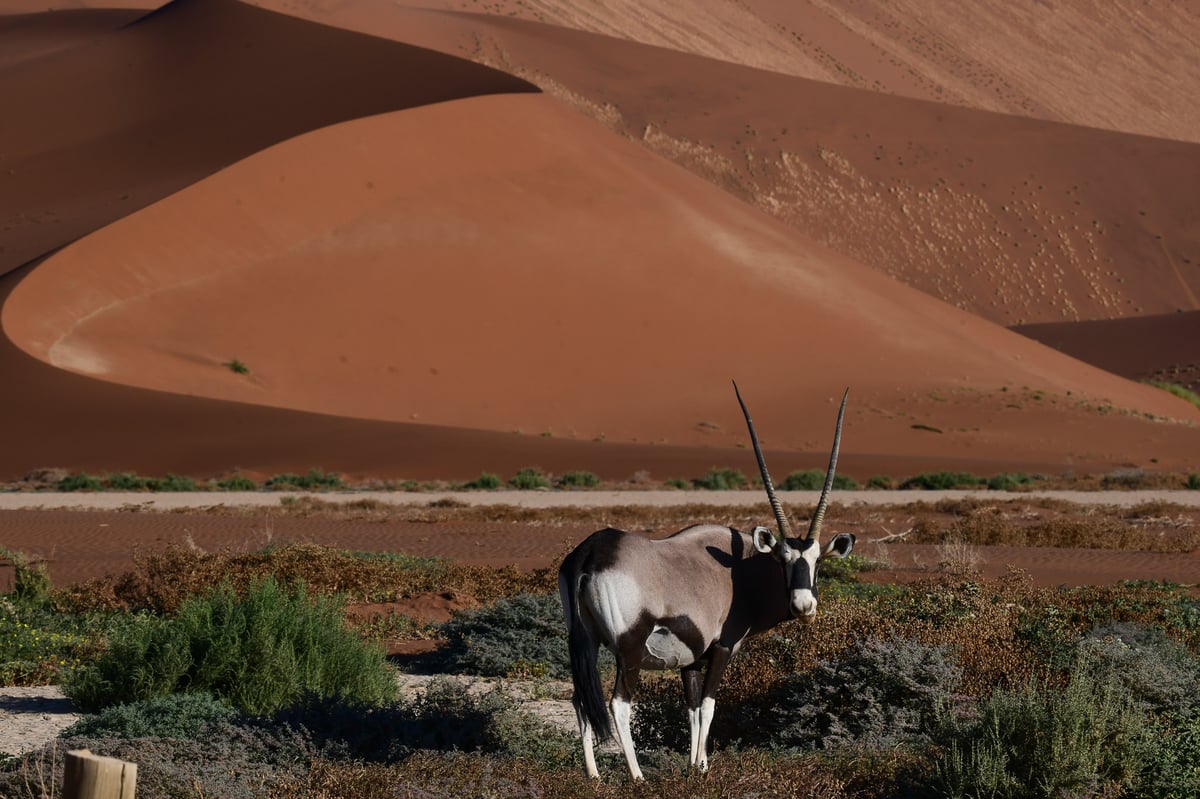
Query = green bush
x=725 y=479
x=528 y=479
x=1010 y=481
x=524 y=635
x=814 y=480
x=173 y=716
x=127 y=481
x=880 y=482
x=173 y=482
x=1193 y=482
x=260 y=652
x=941 y=481
x=37 y=644
x=486 y=481
x=679 y=483
x=579 y=480
x=315 y=480
x=1172 y=770
x=237 y=483
x=1084 y=739
x=80 y=482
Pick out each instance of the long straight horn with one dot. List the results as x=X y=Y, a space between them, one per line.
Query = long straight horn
x=785 y=529
x=814 y=528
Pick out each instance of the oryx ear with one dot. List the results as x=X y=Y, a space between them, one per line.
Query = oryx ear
x=764 y=540
x=840 y=545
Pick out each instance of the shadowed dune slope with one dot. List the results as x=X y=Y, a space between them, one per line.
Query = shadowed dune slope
x=1123 y=65
x=95 y=131
x=31 y=35
x=512 y=266
x=1160 y=348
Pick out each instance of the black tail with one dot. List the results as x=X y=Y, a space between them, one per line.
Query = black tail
x=589 y=695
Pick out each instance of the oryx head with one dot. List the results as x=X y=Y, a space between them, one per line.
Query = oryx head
x=799 y=557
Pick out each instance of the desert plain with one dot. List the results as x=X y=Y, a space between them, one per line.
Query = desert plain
x=418 y=241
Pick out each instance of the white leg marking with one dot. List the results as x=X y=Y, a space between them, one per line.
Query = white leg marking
x=621 y=711
x=694 y=724
x=589 y=755
x=707 y=707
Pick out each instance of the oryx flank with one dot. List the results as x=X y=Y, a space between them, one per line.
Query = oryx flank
x=683 y=602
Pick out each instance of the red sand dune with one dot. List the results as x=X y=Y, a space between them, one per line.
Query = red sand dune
x=502 y=263
x=1018 y=220
x=1124 y=65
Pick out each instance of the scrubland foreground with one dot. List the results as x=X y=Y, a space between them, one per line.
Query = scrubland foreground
x=271 y=672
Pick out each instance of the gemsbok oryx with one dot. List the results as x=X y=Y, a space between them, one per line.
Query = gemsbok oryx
x=684 y=602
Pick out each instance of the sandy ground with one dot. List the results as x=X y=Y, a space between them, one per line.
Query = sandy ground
x=199 y=500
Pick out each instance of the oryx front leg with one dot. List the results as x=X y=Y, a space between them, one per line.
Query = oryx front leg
x=693 y=694
x=622 y=711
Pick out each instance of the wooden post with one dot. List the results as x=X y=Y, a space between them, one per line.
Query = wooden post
x=88 y=776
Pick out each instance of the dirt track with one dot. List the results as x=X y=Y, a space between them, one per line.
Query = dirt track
x=116 y=500
x=86 y=536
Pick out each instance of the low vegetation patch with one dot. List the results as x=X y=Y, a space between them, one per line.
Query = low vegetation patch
x=262 y=650
x=236 y=675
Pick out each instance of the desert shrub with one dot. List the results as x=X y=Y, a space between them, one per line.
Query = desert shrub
x=1193 y=482
x=941 y=481
x=723 y=479
x=445 y=716
x=1172 y=770
x=37 y=645
x=186 y=715
x=486 y=481
x=232 y=761
x=845 y=569
x=528 y=479
x=31 y=580
x=127 y=481
x=579 y=480
x=237 y=483
x=80 y=482
x=814 y=480
x=260 y=652
x=524 y=635
x=315 y=480
x=1082 y=739
x=679 y=483
x=1126 y=479
x=1157 y=672
x=173 y=482
x=881 y=694
x=1010 y=481
x=880 y=482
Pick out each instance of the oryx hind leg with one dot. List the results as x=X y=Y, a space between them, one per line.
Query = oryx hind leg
x=589 y=741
